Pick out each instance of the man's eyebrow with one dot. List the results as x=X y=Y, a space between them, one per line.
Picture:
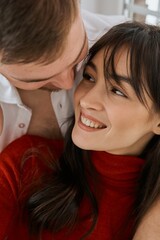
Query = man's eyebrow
x=45 y=79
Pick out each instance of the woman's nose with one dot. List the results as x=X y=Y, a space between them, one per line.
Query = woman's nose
x=93 y=99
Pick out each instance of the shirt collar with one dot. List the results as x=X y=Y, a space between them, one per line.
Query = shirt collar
x=8 y=93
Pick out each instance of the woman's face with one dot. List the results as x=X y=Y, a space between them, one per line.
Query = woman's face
x=109 y=117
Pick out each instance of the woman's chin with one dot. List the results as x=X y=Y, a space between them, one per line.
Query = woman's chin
x=78 y=141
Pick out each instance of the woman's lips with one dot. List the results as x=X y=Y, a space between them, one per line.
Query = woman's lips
x=91 y=122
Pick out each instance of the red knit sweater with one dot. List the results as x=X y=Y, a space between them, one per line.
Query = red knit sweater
x=116 y=191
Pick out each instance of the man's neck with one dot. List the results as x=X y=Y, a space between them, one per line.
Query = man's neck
x=43 y=121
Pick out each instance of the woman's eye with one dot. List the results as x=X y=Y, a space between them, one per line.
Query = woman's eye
x=118 y=92
x=88 y=77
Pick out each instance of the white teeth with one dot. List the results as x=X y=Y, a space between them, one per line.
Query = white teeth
x=90 y=123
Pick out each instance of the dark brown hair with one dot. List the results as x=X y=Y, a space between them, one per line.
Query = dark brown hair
x=55 y=205
x=34 y=30
x=142 y=42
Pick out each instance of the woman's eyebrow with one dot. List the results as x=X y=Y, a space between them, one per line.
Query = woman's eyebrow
x=92 y=65
x=122 y=78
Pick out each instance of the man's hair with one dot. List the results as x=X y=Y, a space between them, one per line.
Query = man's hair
x=34 y=30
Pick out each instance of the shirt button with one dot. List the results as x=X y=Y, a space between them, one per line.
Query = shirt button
x=60 y=105
x=21 y=125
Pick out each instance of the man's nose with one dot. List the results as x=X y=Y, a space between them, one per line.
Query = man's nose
x=65 y=79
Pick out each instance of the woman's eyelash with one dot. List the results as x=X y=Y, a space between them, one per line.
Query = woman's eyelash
x=115 y=89
x=117 y=92
x=88 y=77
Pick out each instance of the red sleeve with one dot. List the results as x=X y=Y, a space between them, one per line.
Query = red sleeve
x=9 y=184
x=12 y=178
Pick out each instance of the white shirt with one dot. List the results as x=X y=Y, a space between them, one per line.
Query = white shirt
x=17 y=116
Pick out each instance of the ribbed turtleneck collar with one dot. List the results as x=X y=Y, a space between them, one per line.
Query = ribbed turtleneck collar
x=117 y=170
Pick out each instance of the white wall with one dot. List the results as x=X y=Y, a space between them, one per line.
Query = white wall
x=109 y=7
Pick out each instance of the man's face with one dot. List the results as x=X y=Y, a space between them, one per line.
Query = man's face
x=56 y=75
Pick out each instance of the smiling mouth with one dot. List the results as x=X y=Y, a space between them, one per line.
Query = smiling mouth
x=92 y=124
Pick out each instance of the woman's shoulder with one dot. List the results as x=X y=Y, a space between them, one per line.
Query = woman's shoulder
x=149 y=227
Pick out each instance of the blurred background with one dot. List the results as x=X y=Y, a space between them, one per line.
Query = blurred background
x=141 y=10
